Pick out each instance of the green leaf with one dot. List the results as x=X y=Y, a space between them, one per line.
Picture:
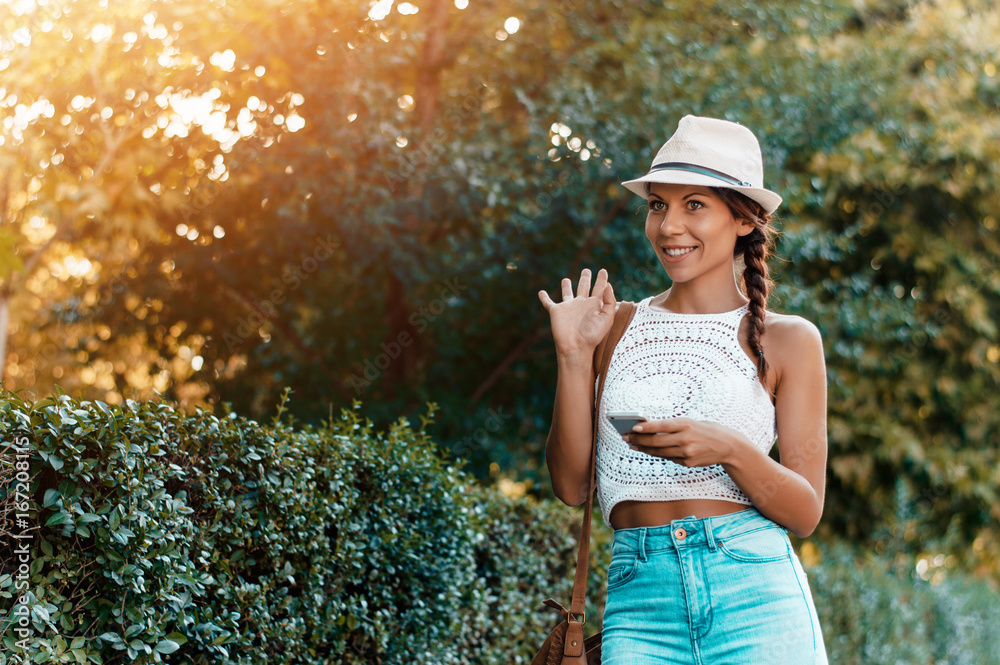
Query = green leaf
x=39 y=613
x=51 y=498
x=167 y=646
x=58 y=518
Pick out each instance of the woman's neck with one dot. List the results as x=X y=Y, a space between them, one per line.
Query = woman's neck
x=687 y=298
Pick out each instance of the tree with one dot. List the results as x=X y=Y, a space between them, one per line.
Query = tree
x=382 y=196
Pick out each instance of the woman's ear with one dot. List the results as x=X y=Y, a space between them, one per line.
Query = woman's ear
x=744 y=227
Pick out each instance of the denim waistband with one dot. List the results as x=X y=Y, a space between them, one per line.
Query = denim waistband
x=691 y=531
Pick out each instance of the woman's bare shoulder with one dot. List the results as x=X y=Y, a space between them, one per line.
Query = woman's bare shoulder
x=790 y=336
x=789 y=324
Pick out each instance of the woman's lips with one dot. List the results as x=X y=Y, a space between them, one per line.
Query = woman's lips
x=676 y=259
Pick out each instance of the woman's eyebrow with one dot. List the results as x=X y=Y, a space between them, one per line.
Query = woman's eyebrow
x=686 y=196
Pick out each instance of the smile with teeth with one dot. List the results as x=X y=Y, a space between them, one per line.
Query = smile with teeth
x=671 y=251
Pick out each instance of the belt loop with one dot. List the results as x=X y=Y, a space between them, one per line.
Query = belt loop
x=642 y=544
x=709 y=536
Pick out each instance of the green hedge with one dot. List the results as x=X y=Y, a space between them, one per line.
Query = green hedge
x=876 y=609
x=164 y=537
x=174 y=538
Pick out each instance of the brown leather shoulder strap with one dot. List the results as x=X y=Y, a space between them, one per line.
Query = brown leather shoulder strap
x=599 y=351
x=603 y=353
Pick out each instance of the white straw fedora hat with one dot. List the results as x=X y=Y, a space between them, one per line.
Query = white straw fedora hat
x=713 y=153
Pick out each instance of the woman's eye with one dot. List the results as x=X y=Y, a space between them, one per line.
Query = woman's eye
x=695 y=205
x=656 y=206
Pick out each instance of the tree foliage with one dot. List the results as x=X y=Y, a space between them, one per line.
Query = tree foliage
x=375 y=200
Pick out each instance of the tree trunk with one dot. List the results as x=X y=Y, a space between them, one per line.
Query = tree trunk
x=403 y=370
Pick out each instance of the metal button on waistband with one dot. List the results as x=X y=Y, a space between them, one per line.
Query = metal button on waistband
x=680 y=533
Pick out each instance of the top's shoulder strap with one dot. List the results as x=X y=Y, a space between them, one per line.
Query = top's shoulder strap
x=602 y=356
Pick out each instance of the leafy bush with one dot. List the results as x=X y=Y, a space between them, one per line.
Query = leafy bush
x=164 y=537
x=876 y=609
x=526 y=552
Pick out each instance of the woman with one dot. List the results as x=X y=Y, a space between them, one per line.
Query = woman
x=702 y=570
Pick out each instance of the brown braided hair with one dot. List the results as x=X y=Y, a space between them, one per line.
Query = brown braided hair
x=755 y=248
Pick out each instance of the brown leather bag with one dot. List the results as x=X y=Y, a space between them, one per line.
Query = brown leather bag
x=566 y=645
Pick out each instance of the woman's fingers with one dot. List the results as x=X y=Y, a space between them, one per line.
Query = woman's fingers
x=567 y=289
x=608 y=293
x=600 y=284
x=664 y=444
x=583 y=290
x=665 y=426
x=656 y=445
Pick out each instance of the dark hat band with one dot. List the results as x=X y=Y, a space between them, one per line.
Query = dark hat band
x=702 y=170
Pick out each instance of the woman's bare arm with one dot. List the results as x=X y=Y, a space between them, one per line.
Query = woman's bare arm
x=567 y=450
x=791 y=492
x=579 y=323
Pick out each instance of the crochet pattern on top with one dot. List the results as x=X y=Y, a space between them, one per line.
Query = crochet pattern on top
x=672 y=365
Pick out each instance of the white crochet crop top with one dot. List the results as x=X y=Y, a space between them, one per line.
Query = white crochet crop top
x=670 y=365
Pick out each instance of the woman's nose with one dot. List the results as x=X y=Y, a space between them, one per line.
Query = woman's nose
x=671 y=222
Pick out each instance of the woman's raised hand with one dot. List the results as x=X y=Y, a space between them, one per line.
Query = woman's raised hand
x=580 y=322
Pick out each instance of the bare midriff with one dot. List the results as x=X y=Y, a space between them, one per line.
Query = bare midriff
x=631 y=514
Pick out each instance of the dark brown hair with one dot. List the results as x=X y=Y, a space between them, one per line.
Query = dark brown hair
x=755 y=248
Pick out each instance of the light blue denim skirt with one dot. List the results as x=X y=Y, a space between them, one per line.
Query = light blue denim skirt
x=726 y=590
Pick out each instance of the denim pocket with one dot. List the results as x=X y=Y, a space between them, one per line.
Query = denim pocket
x=758 y=546
x=621 y=571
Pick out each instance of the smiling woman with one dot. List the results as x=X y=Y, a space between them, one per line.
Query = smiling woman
x=702 y=569
x=711 y=211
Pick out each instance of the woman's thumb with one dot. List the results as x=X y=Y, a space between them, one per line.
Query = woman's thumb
x=609 y=296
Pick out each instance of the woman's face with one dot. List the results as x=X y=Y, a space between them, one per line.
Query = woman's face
x=692 y=230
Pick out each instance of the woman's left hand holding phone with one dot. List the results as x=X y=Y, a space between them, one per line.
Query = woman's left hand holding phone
x=687 y=441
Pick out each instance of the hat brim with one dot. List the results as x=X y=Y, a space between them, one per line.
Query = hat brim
x=765 y=197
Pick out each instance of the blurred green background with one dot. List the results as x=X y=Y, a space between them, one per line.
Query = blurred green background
x=205 y=202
